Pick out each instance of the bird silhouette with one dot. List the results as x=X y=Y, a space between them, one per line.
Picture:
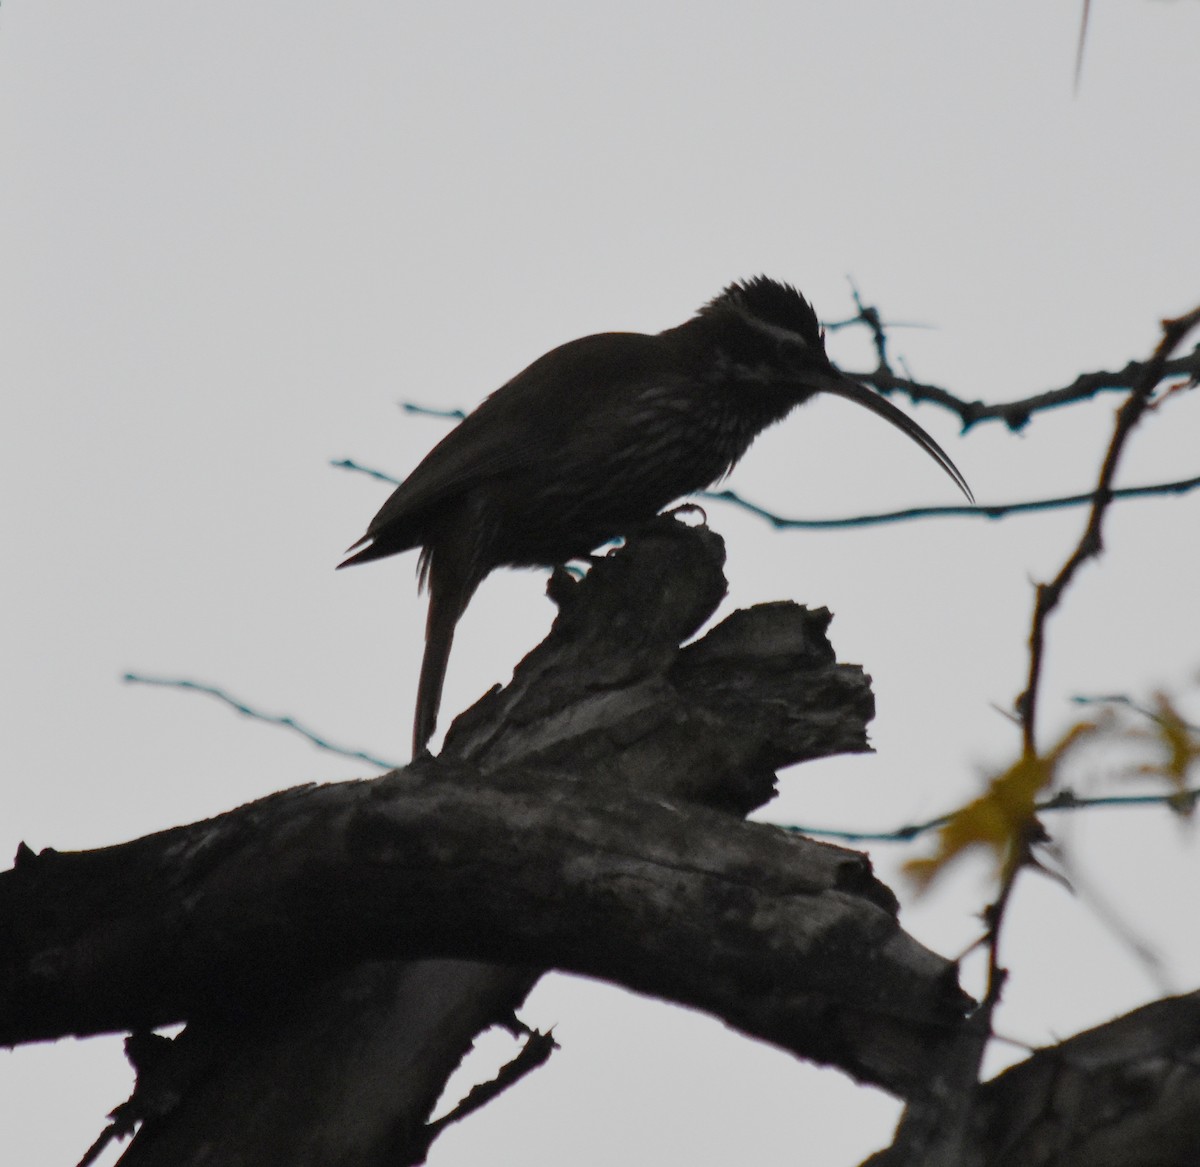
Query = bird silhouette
x=594 y=439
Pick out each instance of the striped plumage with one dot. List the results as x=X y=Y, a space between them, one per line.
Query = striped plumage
x=596 y=437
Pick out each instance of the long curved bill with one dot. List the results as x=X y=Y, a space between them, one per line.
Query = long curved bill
x=842 y=386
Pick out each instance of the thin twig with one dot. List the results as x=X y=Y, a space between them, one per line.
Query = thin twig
x=1017 y=414
x=534 y=1053
x=870 y=317
x=1090 y=542
x=247 y=711
x=1130 y=703
x=1083 y=27
x=997 y=510
x=1121 y=930
x=1060 y=801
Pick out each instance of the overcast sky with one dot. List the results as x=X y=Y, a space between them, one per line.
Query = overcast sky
x=235 y=236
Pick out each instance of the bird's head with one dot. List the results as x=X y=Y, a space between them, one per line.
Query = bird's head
x=767 y=331
x=764 y=333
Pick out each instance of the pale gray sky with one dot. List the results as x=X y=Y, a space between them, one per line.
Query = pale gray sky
x=235 y=236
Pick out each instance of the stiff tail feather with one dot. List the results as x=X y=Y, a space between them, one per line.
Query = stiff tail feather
x=449 y=592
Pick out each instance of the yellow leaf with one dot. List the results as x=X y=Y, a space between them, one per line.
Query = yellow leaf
x=1003 y=818
x=1180 y=750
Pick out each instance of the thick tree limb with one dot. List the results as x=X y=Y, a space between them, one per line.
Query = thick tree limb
x=787 y=939
x=568 y=824
x=343 y=1073
x=1125 y=1094
x=335 y=949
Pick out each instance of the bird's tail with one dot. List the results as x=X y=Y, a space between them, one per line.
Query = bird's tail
x=449 y=591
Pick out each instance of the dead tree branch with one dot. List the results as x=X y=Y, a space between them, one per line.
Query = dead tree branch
x=335 y=949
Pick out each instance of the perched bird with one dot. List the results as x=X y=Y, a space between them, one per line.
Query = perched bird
x=596 y=437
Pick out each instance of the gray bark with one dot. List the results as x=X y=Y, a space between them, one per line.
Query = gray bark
x=335 y=949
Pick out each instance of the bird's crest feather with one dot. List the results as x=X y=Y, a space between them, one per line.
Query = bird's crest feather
x=772 y=303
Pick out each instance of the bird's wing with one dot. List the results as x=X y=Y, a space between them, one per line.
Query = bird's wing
x=525 y=420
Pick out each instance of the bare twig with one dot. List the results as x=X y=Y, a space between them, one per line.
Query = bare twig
x=273 y=719
x=1017 y=414
x=534 y=1053
x=1083 y=27
x=998 y=510
x=1090 y=543
x=1062 y=800
x=1014 y=414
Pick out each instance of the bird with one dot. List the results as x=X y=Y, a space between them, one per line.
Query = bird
x=594 y=439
